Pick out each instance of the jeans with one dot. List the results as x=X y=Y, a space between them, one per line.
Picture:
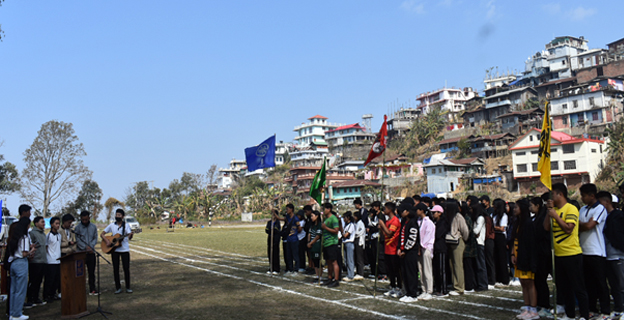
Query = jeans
x=481 y=274
x=125 y=260
x=292 y=252
x=349 y=248
x=19 y=284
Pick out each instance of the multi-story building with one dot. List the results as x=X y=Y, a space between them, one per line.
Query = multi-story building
x=556 y=61
x=519 y=122
x=500 y=101
x=588 y=109
x=444 y=176
x=227 y=176
x=348 y=135
x=313 y=131
x=344 y=192
x=491 y=146
x=451 y=100
x=400 y=122
x=574 y=161
x=282 y=150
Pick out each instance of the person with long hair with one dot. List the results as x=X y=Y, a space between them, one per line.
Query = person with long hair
x=272 y=230
x=511 y=225
x=314 y=242
x=348 y=239
x=19 y=249
x=543 y=256
x=458 y=234
x=500 y=220
x=479 y=230
x=524 y=258
x=470 y=252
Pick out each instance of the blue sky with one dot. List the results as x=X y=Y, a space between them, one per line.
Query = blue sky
x=157 y=88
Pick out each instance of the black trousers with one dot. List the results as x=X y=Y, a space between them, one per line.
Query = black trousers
x=544 y=268
x=410 y=263
x=303 y=253
x=595 y=272
x=52 y=281
x=359 y=258
x=470 y=268
x=393 y=266
x=36 y=271
x=125 y=260
x=439 y=272
x=615 y=274
x=371 y=251
x=570 y=283
x=500 y=258
x=489 y=261
x=276 y=253
x=90 y=261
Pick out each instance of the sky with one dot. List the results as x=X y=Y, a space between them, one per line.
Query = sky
x=158 y=88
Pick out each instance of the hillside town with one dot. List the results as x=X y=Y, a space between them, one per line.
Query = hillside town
x=487 y=141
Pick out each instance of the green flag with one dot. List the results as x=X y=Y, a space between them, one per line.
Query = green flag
x=317 y=184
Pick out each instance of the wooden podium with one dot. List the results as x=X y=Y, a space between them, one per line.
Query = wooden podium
x=73 y=288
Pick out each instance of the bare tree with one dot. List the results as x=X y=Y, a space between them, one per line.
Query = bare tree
x=210 y=176
x=110 y=204
x=54 y=166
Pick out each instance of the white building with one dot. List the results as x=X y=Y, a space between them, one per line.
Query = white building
x=227 y=176
x=313 y=131
x=451 y=100
x=574 y=161
x=348 y=135
x=444 y=176
x=281 y=150
x=556 y=61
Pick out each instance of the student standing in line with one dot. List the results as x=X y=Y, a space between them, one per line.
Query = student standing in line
x=490 y=236
x=543 y=256
x=591 y=224
x=123 y=252
x=479 y=230
x=314 y=242
x=470 y=252
x=427 y=233
x=439 y=252
x=37 y=265
x=331 y=251
x=372 y=233
x=500 y=220
x=459 y=233
x=359 y=244
x=86 y=240
x=68 y=238
x=614 y=242
x=19 y=249
x=273 y=226
x=409 y=250
x=348 y=237
x=568 y=253
x=53 y=269
x=524 y=258
x=391 y=233
x=301 y=236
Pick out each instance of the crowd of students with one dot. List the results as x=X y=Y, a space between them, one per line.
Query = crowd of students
x=31 y=256
x=434 y=247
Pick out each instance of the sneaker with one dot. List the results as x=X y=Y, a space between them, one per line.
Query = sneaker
x=128 y=290
x=269 y=272
x=28 y=305
x=327 y=282
x=425 y=296
x=302 y=270
x=333 y=284
x=543 y=313
x=491 y=287
x=560 y=310
x=118 y=291
x=39 y=303
x=371 y=276
x=531 y=316
x=275 y=273
x=523 y=314
x=23 y=317
x=94 y=293
x=616 y=315
x=408 y=299
x=469 y=291
x=397 y=294
x=390 y=292
x=441 y=294
x=358 y=277
x=345 y=279
x=455 y=293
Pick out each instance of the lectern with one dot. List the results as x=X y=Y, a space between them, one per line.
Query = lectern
x=73 y=289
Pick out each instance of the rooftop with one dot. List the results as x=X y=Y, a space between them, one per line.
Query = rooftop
x=354 y=183
x=349 y=126
x=317 y=117
x=508 y=92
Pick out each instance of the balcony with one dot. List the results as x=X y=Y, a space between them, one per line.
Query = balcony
x=498 y=104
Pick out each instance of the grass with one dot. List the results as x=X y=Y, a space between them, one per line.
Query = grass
x=219 y=273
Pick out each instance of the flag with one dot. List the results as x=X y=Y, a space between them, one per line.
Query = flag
x=543 y=166
x=261 y=156
x=317 y=184
x=379 y=146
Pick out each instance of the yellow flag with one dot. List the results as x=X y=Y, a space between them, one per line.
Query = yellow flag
x=543 y=166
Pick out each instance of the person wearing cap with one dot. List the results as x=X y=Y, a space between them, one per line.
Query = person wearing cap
x=427 y=240
x=439 y=252
x=614 y=243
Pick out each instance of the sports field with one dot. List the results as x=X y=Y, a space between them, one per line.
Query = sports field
x=220 y=273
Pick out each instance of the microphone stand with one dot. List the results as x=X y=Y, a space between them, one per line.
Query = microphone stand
x=98 y=255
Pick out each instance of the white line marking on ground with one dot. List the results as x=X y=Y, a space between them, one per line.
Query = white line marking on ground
x=347 y=292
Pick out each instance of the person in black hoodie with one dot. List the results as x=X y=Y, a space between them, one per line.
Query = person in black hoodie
x=409 y=246
x=543 y=254
x=524 y=257
x=439 y=254
x=273 y=242
x=614 y=243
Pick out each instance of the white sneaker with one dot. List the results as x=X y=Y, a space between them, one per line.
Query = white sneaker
x=358 y=277
x=615 y=315
x=531 y=316
x=346 y=279
x=469 y=291
x=389 y=293
x=523 y=314
x=269 y=272
x=491 y=287
x=426 y=297
x=275 y=273
x=405 y=298
x=560 y=309
x=398 y=294
x=23 y=317
x=454 y=293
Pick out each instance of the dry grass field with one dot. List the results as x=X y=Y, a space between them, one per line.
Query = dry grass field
x=220 y=273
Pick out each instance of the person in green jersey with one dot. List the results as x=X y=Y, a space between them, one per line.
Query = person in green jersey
x=314 y=242
x=330 y=227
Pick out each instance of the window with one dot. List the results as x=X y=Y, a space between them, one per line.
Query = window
x=554 y=165
x=534 y=166
x=531 y=138
x=569 y=165
x=553 y=150
x=595 y=115
x=568 y=148
x=452 y=187
x=564 y=106
x=575 y=103
x=581 y=117
x=593 y=150
x=535 y=152
x=522 y=167
x=600 y=148
x=565 y=120
x=521 y=153
x=337 y=190
x=591 y=101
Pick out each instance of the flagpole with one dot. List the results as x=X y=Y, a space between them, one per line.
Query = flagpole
x=383 y=166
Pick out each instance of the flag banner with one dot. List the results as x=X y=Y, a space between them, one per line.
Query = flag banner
x=316 y=191
x=261 y=156
x=543 y=166
x=379 y=146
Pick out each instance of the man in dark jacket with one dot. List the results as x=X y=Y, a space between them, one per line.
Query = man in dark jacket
x=273 y=241
x=439 y=254
x=614 y=243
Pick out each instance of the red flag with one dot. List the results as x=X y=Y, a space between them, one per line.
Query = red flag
x=379 y=146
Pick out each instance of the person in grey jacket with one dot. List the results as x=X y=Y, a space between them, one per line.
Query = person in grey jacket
x=86 y=240
x=460 y=232
x=37 y=265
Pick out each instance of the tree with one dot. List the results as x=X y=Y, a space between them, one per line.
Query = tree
x=210 y=176
x=191 y=182
x=110 y=204
x=54 y=166
x=8 y=176
x=89 y=198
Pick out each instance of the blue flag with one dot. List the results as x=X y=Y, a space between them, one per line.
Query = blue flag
x=261 y=156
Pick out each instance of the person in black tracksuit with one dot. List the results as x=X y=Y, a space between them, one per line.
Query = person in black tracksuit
x=273 y=224
x=439 y=254
x=409 y=249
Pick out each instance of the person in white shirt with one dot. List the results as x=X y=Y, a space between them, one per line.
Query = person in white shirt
x=119 y=227
x=480 y=231
x=592 y=219
x=19 y=249
x=53 y=253
x=348 y=237
x=359 y=245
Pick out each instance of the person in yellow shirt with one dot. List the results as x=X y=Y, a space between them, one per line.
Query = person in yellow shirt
x=568 y=253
